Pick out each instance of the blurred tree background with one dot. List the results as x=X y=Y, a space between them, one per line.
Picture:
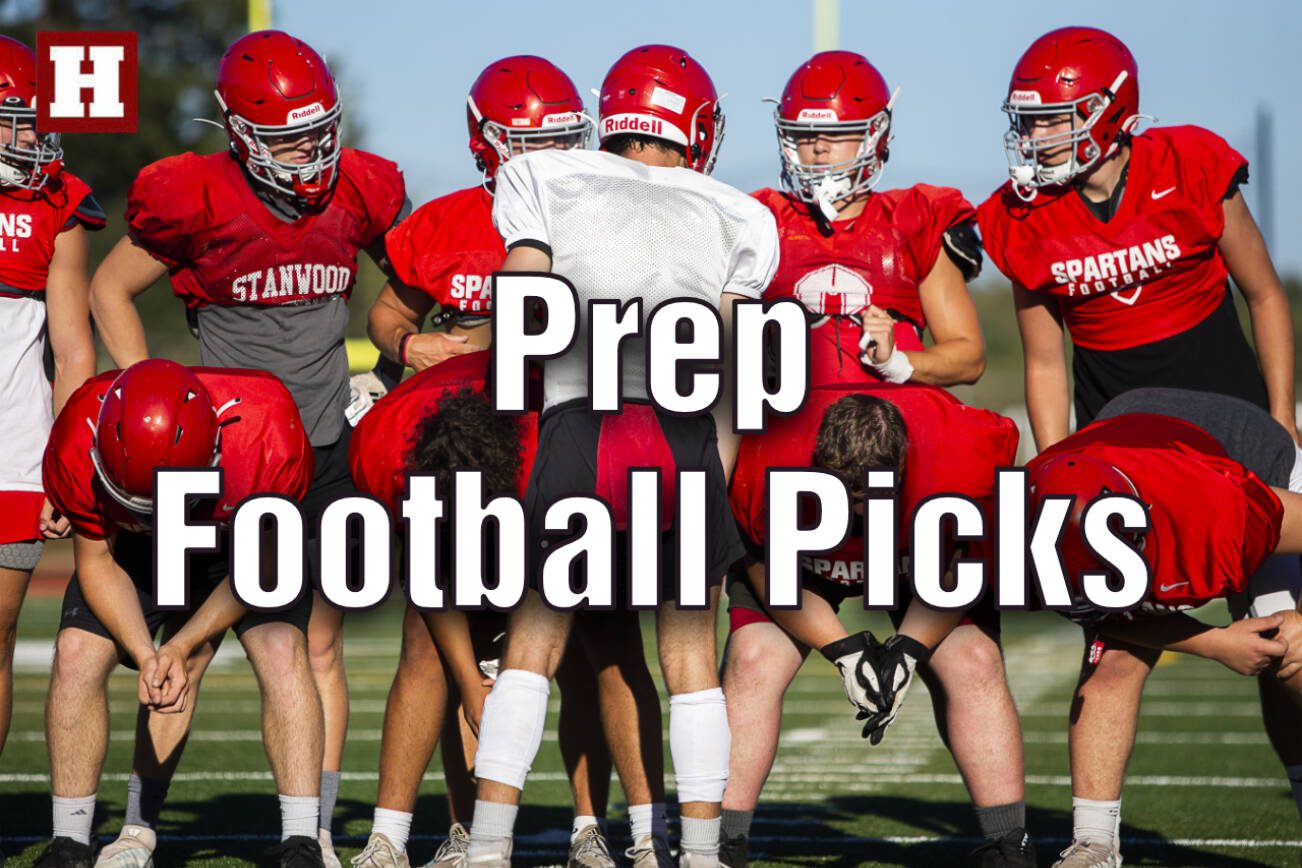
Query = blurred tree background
x=180 y=43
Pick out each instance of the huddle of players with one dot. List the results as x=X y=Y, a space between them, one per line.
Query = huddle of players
x=1124 y=238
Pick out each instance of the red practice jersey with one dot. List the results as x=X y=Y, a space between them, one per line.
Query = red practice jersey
x=953 y=449
x=382 y=442
x=200 y=216
x=449 y=249
x=879 y=257
x=1212 y=521
x=1152 y=271
x=29 y=223
x=264 y=450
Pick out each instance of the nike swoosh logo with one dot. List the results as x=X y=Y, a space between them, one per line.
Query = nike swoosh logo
x=1156 y=195
x=1165 y=588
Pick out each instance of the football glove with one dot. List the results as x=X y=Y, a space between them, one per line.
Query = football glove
x=855 y=656
x=363 y=391
x=894 y=662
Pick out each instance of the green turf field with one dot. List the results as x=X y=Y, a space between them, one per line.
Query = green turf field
x=1204 y=787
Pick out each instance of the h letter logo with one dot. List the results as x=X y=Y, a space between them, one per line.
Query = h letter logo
x=86 y=82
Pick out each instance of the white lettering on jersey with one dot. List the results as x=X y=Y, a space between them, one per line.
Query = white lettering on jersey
x=1117 y=271
x=842 y=572
x=12 y=228
x=296 y=280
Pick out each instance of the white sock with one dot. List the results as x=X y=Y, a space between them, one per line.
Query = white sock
x=1096 y=821
x=699 y=836
x=73 y=818
x=493 y=823
x=648 y=819
x=394 y=825
x=298 y=816
x=582 y=822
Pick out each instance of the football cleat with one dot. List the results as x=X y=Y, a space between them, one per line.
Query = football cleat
x=452 y=851
x=328 y=855
x=380 y=852
x=134 y=848
x=64 y=852
x=589 y=850
x=500 y=857
x=698 y=860
x=733 y=852
x=650 y=852
x=298 y=851
x=1013 y=850
x=1087 y=854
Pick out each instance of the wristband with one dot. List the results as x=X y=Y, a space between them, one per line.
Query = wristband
x=837 y=649
x=896 y=369
x=402 y=347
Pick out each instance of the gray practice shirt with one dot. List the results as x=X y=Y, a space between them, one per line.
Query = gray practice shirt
x=302 y=344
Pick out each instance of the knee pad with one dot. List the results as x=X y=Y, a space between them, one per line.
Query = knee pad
x=511 y=730
x=699 y=743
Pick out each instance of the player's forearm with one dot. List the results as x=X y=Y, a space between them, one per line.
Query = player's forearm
x=120 y=328
x=1047 y=403
x=814 y=624
x=1272 y=332
x=927 y=625
x=387 y=326
x=1174 y=632
x=955 y=362
x=218 y=614
x=451 y=632
x=111 y=597
x=74 y=364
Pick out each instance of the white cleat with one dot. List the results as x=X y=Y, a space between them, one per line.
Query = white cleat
x=1086 y=854
x=650 y=852
x=451 y=852
x=380 y=852
x=134 y=848
x=327 y=849
x=589 y=850
x=497 y=857
x=697 y=860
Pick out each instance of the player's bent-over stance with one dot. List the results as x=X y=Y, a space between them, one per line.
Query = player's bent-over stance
x=639 y=220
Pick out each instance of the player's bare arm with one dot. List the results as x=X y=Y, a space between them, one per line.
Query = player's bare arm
x=125 y=273
x=1247 y=647
x=399 y=311
x=927 y=625
x=1047 y=394
x=958 y=354
x=68 y=314
x=111 y=596
x=451 y=633
x=1249 y=263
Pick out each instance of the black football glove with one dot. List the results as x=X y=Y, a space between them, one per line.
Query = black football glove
x=855 y=656
x=894 y=662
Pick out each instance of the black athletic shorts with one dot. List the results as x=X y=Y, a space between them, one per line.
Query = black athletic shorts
x=1213 y=356
x=331 y=480
x=579 y=453
x=134 y=552
x=1249 y=434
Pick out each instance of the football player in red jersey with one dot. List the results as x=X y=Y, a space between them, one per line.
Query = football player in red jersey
x=45 y=212
x=941 y=445
x=1127 y=239
x=874 y=269
x=444 y=254
x=261 y=242
x=1158 y=445
x=98 y=471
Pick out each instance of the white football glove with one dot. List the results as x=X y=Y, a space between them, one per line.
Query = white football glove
x=895 y=661
x=363 y=391
x=855 y=657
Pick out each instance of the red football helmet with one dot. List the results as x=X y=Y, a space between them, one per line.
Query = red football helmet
x=32 y=163
x=155 y=414
x=1086 y=478
x=1082 y=73
x=519 y=104
x=662 y=92
x=271 y=88
x=834 y=92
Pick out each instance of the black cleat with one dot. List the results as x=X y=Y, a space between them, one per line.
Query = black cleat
x=298 y=851
x=732 y=852
x=65 y=853
x=1014 y=850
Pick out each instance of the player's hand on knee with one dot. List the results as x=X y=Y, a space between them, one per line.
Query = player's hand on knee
x=1250 y=646
x=854 y=657
x=896 y=659
x=1290 y=633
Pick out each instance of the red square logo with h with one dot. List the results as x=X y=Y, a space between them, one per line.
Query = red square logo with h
x=86 y=82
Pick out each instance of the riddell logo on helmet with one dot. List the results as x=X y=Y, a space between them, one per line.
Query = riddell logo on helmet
x=305 y=113
x=560 y=118
x=817 y=115
x=631 y=124
x=1024 y=97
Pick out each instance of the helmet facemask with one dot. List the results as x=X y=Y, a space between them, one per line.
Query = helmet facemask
x=310 y=181
x=566 y=131
x=27 y=168
x=828 y=185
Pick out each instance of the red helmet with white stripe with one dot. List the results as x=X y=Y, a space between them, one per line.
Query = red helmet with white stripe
x=155 y=414
x=1081 y=74
x=28 y=159
x=834 y=92
x=662 y=92
x=520 y=104
x=273 y=88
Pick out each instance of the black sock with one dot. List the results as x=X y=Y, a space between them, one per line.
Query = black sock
x=998 y=820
